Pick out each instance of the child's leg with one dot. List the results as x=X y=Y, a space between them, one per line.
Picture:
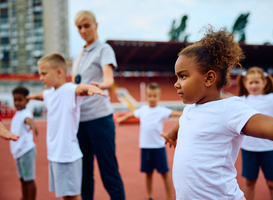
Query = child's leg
x=149 y=184
x=168 y=184
x=249 y=189
x=266 y=159
x=26 y=171
x=77 y=197
x=251 y=166
x=24 y=191
x=270 y=186
x=29 y=190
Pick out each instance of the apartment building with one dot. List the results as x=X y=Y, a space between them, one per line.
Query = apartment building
x=30 y=29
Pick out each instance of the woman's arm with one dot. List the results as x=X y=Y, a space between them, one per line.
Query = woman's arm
x=36 y=96
x=171 y=137
x=108 y=77
x=259 y=125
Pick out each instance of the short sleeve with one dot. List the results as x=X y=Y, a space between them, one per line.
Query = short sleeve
x=166 y=112
x=237 y=114
x=108 y=56
x=46 y=94
x=28 y=114
x=138 y=112
x=74 y=100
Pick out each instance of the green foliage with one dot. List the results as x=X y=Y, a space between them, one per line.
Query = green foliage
x=177 y=33
x=240 y=25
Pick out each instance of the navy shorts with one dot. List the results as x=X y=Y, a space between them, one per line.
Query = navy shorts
x=252 y=161
x=154 y=159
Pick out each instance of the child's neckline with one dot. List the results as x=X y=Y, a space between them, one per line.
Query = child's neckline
x=211 y=102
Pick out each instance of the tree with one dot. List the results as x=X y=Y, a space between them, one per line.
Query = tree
x=178 y=34
x=239 y=27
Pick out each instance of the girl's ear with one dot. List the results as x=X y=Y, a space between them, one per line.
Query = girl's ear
x=210 y=78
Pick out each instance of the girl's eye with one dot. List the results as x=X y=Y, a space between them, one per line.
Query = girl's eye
x=79 y=27
x=182 y=76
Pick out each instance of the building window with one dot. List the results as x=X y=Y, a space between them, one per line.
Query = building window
x=4 y=13
x=28 y=55
x=38 y=46
x=14 y=55
x=5 y=40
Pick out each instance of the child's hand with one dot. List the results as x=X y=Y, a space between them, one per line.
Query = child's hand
x=9 y=135
x=118 y=121
x=90 y=90
x=168 y=140
x=33 y=128
x=95 y=90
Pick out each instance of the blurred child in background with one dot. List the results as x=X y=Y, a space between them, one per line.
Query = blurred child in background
x=23 y=150
x=62 y=101
x=255 y=89
x=153 y=153
x=209 y=133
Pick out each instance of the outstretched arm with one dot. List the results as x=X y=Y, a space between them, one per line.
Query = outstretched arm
x=124 y=117
x=176 y=113
x=6 y=134
x=171 y=137
x=88 y=90
x=36 y=96
x=259 y=125
x=32 y=125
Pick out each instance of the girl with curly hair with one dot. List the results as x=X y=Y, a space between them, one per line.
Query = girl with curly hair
x=209 y=134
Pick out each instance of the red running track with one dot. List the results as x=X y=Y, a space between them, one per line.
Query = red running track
x=128 y=155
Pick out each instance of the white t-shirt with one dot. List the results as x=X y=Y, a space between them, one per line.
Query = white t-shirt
x=151 y=125
x=263 y=104
x=63 y=116
x=208 y=144
x=19 y=127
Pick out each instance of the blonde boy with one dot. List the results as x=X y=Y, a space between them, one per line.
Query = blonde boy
x=62 y=101
x=153 y=154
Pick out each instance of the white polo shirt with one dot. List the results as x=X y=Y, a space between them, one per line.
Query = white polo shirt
x=63 y=116
x=90 y=66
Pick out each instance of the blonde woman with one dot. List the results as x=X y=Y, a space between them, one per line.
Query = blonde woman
x=95 y=65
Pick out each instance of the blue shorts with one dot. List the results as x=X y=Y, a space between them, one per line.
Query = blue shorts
x=252 y=161
x=154 y=159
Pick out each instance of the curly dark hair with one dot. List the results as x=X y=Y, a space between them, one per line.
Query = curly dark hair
x=20 y=90
x=216 y=51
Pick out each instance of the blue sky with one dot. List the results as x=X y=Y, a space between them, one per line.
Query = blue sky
x=150 y=20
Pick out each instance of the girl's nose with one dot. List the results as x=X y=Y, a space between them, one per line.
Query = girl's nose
x=176 y=84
